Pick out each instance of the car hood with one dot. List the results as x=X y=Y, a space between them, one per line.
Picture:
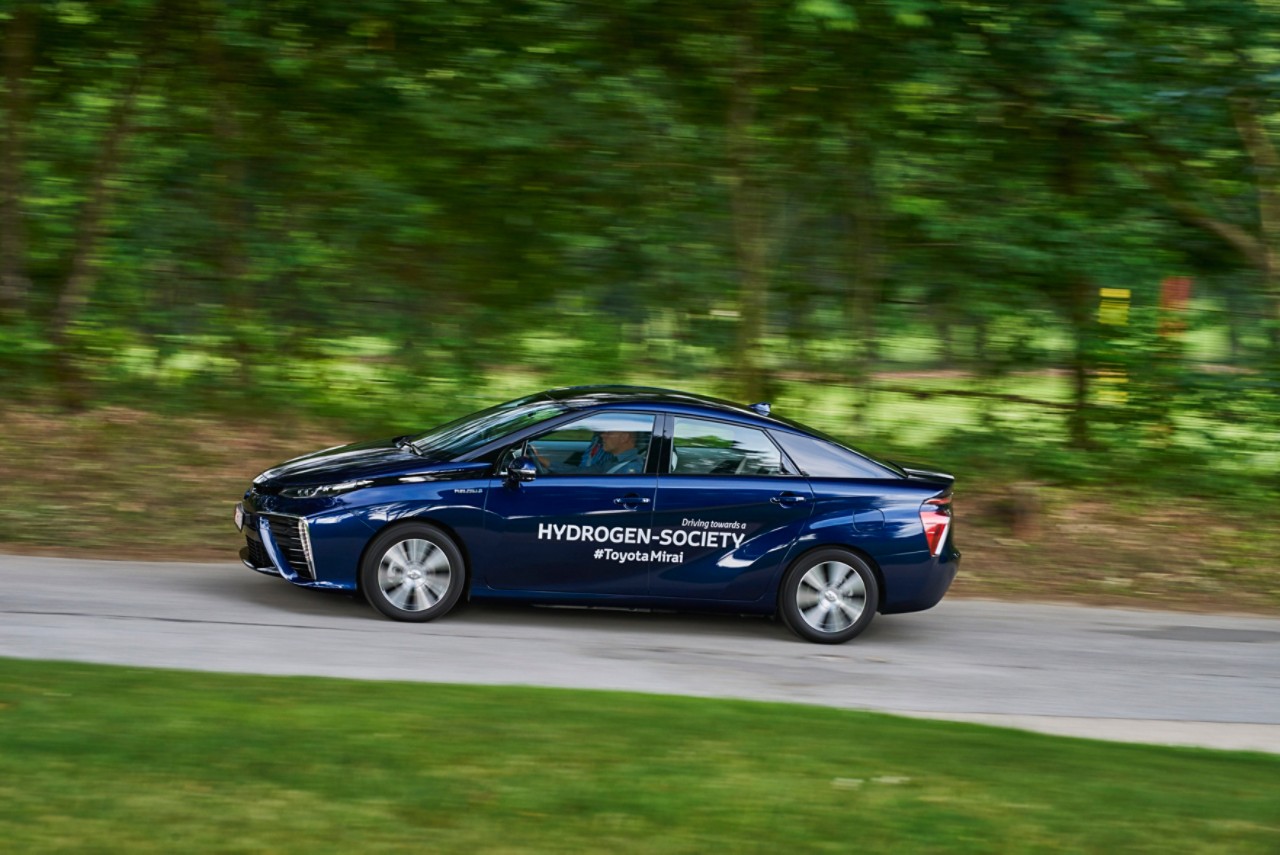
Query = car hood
x=348 y=463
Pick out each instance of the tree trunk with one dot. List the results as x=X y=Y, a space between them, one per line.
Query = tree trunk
x=14 y=285
x=864 y=252
x=866 y=279
x=231 y=202
x=1078 y=290
x=747 y=212
x=1266 y=168
x=75 y=290
x=1081 y=294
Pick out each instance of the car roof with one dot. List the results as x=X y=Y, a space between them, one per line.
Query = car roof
x=578 y=397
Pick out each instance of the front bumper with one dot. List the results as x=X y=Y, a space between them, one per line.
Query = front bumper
x=313 y=543
x=253 y=557
x=277 y=545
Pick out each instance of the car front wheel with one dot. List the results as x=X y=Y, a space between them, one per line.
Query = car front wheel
x=829 y=596
x=412 y=572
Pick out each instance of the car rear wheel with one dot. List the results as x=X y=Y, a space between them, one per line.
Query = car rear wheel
x=413 y=572
x=829 y=596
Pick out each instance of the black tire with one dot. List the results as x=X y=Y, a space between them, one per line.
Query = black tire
x=413 y=572
x=829 y=596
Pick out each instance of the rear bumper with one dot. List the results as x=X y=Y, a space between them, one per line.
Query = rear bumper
x=916 y=587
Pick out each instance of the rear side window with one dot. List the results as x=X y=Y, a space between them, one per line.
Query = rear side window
x=704 y=447
x=821 y=459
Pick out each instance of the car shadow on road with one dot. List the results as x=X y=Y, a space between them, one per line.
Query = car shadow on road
x=497 y=614
x=263 y=594
x=260 y=596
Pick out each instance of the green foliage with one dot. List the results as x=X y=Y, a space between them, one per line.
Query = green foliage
x=391 y=209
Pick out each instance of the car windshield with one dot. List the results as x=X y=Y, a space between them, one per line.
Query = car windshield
x=468 y=433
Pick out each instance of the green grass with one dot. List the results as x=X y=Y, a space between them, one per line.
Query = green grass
x=95 y=758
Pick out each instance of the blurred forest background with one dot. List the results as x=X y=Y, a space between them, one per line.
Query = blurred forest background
x=1037 y=243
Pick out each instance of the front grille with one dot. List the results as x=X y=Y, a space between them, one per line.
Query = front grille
x=289 y=543
x=257 y=552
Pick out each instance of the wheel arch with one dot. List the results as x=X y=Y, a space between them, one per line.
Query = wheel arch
x=839 y=547
x=423 y=520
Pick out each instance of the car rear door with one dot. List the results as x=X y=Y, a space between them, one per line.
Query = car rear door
x=727 y=512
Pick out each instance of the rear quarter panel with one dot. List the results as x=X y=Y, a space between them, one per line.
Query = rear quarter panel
x=880 y=519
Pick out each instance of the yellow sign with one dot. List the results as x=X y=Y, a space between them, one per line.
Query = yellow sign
x=1113 y=310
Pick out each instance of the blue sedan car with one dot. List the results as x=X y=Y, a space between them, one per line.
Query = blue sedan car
x=617 y=496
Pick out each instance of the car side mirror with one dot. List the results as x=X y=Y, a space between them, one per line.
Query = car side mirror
x=522 y=469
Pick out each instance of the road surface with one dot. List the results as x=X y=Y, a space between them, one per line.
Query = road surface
x=1144 y=676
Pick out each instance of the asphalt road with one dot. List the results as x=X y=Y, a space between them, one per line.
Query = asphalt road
x=1105 y=673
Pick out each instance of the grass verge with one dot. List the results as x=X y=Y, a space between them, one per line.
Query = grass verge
x=96 y=758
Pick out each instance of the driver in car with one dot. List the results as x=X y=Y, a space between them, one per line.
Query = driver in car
x=620 y=457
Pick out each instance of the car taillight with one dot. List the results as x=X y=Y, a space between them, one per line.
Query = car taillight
x=935 y=514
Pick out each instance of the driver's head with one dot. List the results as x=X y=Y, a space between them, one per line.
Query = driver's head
x=617 y=441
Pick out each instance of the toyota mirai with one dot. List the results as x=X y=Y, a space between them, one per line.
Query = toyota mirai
x=611 y=496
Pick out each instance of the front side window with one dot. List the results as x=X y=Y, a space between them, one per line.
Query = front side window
x=601 y=444
x=704 y=447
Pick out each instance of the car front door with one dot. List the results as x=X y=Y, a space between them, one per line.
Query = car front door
x=581 y=525
x=727 y=512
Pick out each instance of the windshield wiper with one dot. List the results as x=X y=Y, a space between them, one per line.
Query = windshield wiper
x=402 y=442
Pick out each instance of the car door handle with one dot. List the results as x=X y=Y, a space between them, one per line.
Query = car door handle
x=631 y=500
x=787 y=499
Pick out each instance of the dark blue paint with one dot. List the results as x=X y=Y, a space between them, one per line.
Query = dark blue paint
x=520 y=552
x=744 y=506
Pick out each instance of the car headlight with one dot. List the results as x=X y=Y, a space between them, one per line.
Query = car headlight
x=323 y=490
